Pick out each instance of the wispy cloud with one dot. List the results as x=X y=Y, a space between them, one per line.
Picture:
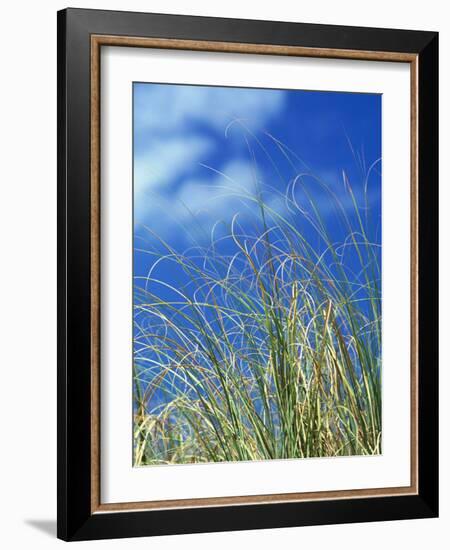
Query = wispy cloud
x=190 y=176
x=167 y=108
x=178 y=129
x=199 y=204
x=166 y=159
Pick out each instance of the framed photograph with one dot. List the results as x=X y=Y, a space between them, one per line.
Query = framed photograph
x=248 y=273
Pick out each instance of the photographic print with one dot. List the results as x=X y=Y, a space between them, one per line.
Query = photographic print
x=247 y=274
x=257 y=274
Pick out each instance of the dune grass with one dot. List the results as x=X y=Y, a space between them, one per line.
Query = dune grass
x=269 y=351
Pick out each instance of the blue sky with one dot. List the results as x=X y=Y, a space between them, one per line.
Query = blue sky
x=199 y=149
x=201 y=154
x=200 y=157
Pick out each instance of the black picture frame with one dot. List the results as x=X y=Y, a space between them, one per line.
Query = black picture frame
x=75 y=518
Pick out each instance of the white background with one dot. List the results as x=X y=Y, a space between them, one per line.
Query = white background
x=120 y=482
x=28 y=275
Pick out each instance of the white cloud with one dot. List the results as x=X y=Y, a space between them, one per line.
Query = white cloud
x=163 y=160
x=199 y=203
x=179 y=127
x=166 y=108
x=235 y=179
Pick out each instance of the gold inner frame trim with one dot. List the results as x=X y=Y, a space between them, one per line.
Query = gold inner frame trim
x=97 y=41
